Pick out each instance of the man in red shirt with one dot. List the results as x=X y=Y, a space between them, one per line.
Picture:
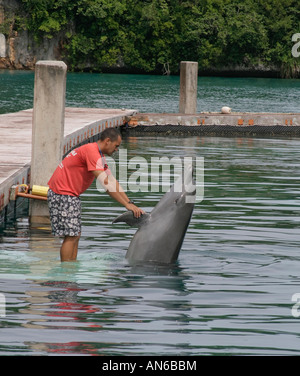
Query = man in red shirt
x=71 y=178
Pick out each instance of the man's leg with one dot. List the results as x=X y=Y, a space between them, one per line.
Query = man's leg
x=69 y=248
x=65 y=216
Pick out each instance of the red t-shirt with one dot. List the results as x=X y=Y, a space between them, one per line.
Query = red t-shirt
x=74 y=174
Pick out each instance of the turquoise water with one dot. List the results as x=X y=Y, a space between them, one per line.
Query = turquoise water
x=156 y=93
x=231 y=291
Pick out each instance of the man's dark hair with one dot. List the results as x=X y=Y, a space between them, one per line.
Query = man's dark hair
x=112 y=133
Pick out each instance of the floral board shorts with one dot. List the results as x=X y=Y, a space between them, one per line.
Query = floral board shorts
x=65 y=214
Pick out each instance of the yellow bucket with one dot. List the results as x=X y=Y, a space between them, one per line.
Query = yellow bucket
x=39 y=190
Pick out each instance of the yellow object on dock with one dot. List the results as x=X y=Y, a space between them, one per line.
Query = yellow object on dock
x=39 y=190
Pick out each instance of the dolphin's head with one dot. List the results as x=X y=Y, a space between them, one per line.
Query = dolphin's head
x=182 y=192
x=188 y=187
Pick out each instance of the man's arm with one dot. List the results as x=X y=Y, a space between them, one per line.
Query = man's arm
x=114 y=189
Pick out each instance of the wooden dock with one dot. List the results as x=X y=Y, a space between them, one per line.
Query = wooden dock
x=16 y=135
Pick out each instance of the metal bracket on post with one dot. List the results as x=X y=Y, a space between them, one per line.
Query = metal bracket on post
x=23 y=190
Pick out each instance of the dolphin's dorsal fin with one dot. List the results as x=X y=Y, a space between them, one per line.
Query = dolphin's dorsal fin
x=130 y=219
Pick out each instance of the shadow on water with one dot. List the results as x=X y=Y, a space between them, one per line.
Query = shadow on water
x=152 y=268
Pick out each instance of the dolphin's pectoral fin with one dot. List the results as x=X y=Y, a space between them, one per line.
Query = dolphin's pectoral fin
x=130 y=219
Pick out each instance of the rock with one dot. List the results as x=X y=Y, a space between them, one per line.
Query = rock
x=226 y=110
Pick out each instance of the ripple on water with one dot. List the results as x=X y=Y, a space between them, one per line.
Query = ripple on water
x=229 y=293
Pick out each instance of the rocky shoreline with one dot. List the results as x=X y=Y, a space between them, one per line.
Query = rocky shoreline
x=22 y=53
x=22 y=58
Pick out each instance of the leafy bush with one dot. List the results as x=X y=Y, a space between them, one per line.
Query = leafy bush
x=147 y=35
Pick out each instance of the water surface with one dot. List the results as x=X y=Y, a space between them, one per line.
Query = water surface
x=229 y=293
x=156 y=93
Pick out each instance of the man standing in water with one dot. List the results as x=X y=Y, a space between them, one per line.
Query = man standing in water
x=71 y=178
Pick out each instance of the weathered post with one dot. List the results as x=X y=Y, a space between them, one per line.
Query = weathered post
x=188 y=87
x=47 y=129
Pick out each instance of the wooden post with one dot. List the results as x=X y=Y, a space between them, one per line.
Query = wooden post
x=47 y=129
x=188 y=87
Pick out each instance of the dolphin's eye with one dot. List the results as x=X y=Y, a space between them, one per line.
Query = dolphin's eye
x=177 y=201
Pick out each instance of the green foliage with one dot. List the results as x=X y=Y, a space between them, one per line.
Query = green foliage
x=148 y=35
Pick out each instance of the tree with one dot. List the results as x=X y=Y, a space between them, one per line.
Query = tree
x=150 y=35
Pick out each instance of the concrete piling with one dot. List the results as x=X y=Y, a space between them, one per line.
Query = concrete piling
x=188 y=87
x=47 y=129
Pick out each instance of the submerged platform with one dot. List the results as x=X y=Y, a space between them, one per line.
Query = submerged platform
x=216 y=124
x=16 y=133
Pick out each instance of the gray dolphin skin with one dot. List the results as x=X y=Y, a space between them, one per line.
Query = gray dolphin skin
x=161 y=233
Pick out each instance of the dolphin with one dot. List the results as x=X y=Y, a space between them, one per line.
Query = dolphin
x=161 y=233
